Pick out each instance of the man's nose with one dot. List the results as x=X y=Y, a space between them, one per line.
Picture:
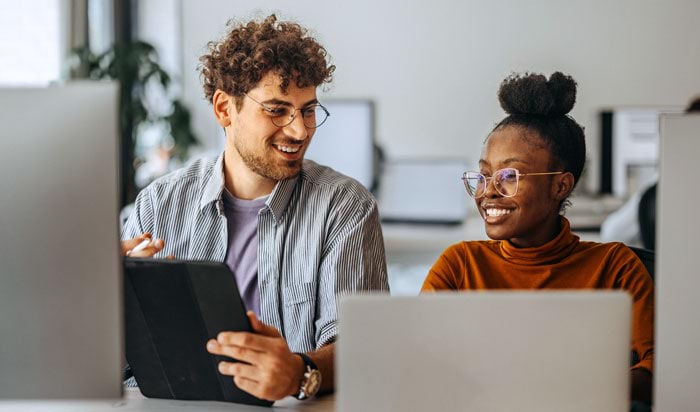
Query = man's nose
x=297 y=129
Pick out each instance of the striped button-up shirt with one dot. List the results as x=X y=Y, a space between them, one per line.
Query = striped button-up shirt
x=319 y=237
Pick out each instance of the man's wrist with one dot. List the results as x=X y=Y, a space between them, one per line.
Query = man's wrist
x=310 y=382
x=300 y=370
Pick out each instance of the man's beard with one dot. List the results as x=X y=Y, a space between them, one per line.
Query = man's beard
x=266 y=168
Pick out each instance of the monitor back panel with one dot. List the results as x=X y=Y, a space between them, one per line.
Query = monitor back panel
x=60 y=308
x=677 y=280
x=486 y=351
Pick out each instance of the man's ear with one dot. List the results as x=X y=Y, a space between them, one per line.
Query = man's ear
x=221 y=102
x=564 y=184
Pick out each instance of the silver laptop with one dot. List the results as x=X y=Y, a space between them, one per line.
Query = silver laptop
x=485 y=351
x=60 y=285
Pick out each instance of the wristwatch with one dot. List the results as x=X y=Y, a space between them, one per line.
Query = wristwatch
x=311 y=381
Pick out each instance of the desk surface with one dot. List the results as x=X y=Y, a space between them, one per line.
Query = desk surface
x=133 y=401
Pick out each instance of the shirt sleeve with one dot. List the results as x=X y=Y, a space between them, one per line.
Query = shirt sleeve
x=446 y=273
x=141 y=218
x=633 y=277
x=353 y=261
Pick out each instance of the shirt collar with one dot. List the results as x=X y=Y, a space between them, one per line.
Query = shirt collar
x=214 y=187
x=277 y=202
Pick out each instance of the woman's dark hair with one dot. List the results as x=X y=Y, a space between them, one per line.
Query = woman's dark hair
x=541 y=106
x=250 y=50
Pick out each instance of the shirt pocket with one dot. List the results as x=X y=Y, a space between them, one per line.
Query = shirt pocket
x=298 y=293
x=299 y=316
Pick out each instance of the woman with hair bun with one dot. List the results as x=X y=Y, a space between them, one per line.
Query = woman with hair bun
x=529 y=165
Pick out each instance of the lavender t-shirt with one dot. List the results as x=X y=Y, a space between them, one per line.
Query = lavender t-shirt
x=242 y=248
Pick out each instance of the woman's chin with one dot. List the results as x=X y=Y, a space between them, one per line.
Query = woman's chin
x=497 y=232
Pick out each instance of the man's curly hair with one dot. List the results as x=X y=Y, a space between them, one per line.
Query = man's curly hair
x=249 y=51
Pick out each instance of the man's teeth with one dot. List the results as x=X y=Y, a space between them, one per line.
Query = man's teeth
x=288 y=149
x=497 y=212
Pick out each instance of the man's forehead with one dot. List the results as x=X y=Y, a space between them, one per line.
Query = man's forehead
x=270 y=88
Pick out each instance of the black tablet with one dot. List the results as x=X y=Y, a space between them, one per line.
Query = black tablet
x=172 y=309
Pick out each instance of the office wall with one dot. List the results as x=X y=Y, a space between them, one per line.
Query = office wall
x=434 y=67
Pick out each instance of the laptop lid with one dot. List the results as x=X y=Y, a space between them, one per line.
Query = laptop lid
x=485 y=351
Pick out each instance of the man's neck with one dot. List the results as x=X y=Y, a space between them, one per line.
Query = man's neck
x=242 y=182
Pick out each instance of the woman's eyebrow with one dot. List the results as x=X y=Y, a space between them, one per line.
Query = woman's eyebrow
x=483 y=162
x=513 y=160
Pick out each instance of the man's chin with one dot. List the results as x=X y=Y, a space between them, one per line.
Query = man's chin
x=292 y=169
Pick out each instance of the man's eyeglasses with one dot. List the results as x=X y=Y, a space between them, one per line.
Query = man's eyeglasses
x=283 y=114
x=504 y=180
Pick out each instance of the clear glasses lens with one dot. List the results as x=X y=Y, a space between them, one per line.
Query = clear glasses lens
x=313 y=116
x=475 y=183
x=507 y=182
x=504 y=180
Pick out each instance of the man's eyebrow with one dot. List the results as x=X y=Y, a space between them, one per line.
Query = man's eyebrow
x=278 y=102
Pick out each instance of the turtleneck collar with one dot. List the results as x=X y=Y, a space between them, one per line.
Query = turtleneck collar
x=554 y=250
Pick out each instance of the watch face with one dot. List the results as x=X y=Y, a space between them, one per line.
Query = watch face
x=313 y=383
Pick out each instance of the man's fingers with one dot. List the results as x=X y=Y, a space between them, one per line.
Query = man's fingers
x=236 y=352
x=249 y=386
x=242 y=370
x=129 y=244
x=246 y=340
x=261 y=328
x=153 y=247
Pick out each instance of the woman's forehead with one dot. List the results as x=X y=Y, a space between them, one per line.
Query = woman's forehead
x=510 y=146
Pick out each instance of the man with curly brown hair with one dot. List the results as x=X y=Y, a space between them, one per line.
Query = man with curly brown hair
x=296 y=235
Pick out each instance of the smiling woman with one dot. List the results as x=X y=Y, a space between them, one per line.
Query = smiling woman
x=529 y=165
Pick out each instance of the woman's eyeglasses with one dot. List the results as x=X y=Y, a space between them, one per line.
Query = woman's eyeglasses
x=504 y=180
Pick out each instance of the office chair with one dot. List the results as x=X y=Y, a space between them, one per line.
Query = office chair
x=647 y=217
x=647 y=257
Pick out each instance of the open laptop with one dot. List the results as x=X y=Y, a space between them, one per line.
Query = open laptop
x=485 y=351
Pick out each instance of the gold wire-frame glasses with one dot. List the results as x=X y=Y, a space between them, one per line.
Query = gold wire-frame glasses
x=504 y=180
x=283 y=115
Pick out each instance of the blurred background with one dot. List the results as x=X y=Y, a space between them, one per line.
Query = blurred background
x=415 y=87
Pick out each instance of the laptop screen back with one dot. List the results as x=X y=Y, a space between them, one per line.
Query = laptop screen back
x=485 y=351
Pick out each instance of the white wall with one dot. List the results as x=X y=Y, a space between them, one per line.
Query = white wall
x=434 y=67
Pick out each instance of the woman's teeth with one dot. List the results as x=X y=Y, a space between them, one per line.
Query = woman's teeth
x=497 y=212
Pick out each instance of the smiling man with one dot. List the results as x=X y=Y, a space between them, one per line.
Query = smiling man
x=296 y=234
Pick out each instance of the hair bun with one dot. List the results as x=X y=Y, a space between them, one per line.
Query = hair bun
x=533 y=94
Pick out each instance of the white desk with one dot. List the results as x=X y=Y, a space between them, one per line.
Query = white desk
x=133 y=401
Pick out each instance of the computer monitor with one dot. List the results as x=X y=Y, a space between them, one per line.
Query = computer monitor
x=60 y=273
x=630 y=148
x=677 y=280
x=346 y=141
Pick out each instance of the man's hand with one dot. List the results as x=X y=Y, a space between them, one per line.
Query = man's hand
x=153 y=246
x=268 y=369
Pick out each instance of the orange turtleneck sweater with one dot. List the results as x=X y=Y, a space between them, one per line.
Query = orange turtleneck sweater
x=562 y=263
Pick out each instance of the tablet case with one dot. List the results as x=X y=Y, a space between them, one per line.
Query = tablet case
x=172 y=309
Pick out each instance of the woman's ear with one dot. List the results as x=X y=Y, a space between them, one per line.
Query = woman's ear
x=221 y=102
x=564 y=184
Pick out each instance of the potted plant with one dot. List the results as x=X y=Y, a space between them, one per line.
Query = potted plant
x=135 y=66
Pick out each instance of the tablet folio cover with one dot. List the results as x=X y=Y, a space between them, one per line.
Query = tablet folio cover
x=172 y=309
